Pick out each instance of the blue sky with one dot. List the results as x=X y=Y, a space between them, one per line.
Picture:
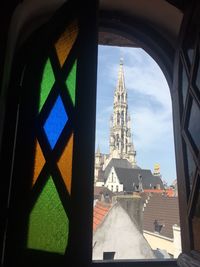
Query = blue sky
x=149 y=105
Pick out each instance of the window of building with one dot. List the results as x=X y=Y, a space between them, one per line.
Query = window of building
x=108 y=255
x=157 y=226
x=118 y=118
x=122 y=118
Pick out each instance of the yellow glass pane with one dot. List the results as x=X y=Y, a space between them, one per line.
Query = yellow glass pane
x=65 y=163
x=39 y=162
x=66 y=41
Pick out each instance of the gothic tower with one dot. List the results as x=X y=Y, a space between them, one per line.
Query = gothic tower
x=121 y=145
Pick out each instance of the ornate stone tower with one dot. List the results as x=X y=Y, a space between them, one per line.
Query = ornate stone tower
x=98 y=164
x=121 y=145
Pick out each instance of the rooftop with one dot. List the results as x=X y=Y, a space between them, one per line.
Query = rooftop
x=100 y=211
x=129 y=178
x=165 y=211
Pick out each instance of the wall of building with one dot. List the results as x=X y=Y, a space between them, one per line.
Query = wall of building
x=117 y=233
x=177 y=240
x=113 y=183
x=133 y=205
x=171 y=246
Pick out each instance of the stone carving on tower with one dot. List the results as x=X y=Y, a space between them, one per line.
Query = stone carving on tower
x=121 y=145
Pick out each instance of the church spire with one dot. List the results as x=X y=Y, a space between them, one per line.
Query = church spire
x=98 y=150
x=121 y=145
x=121 y=83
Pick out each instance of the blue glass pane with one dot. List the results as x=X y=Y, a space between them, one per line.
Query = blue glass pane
x=55 y=122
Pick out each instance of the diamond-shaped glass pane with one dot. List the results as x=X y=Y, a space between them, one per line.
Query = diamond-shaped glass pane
x=48 y=223
x=48 y=80
x=39 y=162
x=65 y=42
x=189 y=47
x=184 y=84
x=65 y=163
x=197 y=81
x=55 y=122
x=194 y=125
x=191 y=166
x=190 y=53
x=71 y=82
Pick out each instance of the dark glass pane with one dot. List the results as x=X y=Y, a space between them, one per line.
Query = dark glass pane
x=190 y=167
x=189 y=48
x=194 y=124
x=190 y=53
x=184 y=84
x=196 y=220
x=197 y=78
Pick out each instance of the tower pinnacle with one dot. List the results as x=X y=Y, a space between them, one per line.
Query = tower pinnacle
x=121 y=83
x=121 y=145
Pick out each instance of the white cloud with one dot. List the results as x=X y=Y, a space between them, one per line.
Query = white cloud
x=149 y=128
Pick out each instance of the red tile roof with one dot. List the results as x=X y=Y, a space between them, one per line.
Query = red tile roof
x=100 y=211
x=168 y=192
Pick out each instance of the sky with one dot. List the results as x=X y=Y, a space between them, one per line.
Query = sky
x=149 y=105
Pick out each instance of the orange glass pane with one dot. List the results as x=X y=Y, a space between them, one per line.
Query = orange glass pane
x=39 y=162
x=66 y=41
x=65 y=163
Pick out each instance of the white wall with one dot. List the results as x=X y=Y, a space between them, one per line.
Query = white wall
x=119 y=234
x=171 y=246
x=177 y=240
x=112 y=182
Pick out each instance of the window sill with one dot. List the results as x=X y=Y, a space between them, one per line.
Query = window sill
x=136 y=263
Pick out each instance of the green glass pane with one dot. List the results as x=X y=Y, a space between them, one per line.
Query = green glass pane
x=48 y=222
x=71 y=82
x=48 y=80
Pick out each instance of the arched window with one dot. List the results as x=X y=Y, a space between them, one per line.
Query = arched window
x=118 y=117
x=25 y=191
x=122 y=117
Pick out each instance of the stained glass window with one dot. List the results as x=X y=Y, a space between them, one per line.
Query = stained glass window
x=49 y=220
